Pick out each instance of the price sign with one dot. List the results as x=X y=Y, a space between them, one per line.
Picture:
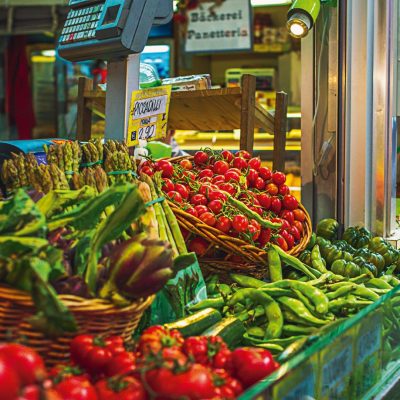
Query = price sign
x=336 y=362
x=298 y=384
x=368 y=354
x=148 y=117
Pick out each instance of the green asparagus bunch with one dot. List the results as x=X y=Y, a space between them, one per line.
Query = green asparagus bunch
x=93 y=177
x=14 y=172
x=117 y=162
x=92 y=152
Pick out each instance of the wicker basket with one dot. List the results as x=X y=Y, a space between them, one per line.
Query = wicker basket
x=233 y=246
x=93 y=316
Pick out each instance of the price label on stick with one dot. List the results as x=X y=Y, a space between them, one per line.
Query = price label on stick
x=148 y=117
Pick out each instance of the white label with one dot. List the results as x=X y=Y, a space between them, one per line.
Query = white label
x=219 y=28
x=150 y=107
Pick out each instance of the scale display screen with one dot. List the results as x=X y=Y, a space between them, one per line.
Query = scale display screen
x=110 y=29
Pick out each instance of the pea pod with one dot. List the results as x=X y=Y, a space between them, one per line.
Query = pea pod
x=378 y=283
x=216 y=302
x=255 y=331
x=341 y=291
x=276 y=291
x=347 y=302
x=298 y=308
x=294 y=262
x=284 y=342
x=274 y=265
x=365 y=293
x=328 y=229
x=246 y=281
x=272 y=310
x=316 y=260
x=290 y=330
x=305 y=257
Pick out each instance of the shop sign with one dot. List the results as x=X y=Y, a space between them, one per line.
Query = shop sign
x=225 y=27
x=148 y=117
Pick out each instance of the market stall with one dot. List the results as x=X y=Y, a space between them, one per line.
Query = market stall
x=128 y=275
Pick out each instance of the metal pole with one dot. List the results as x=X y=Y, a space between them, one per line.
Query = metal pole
x=122 y=80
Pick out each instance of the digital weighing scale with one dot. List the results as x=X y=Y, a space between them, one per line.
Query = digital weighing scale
x=116 y=31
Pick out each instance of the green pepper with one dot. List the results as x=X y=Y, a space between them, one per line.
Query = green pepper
x=328 y=229
x=371 y=257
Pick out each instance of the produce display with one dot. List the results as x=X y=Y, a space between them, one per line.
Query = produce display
x=161 y=365
x=234 y=195
x=95 y=225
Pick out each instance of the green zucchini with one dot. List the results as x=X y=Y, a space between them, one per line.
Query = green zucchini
x=196 y=323
x=230 y=329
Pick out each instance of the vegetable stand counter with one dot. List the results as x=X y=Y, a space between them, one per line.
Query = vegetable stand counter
x=356 y=359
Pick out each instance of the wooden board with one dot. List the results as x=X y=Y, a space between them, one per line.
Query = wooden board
x=202 y=110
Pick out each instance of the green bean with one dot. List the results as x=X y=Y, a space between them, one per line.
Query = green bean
x=298 y=308
x=268 y=346
x=338 y=285
x=304 y=300
x=328 y=277
x=275 y=292
x=341 y=291
x=294 y=262
x=272 y=310
x=366 y=293
x=360 y=279
x=378 y=283
x=246 y=281
x=348 y=302
x=394 y=281
x=216 y=302
x=289 y=329
x=279 y=341
x=316 y=260
x=274 y=265
x=256 y=331
x=224 y=289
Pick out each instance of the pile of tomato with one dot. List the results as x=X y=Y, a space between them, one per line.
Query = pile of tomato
x=201 y=188
x=162 y=366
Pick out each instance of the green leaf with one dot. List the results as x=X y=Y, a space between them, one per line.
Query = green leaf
x=83 y=249
x=20 y=216
x=12 y=245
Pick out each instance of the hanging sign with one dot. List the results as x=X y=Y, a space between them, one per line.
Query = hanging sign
x=148 y=117
x=224 y=27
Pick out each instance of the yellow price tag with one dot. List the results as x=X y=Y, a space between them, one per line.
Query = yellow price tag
x=148 y=117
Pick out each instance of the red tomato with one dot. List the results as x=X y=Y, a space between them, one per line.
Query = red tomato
x=276 y=205
x=227 y=387
x=224 y=224
x=28 y=365
x=216 y=195
x=147 y=170
x=287 y=215
x=299 y=226
x=121 y=364
x=220 y=167
x=283 y=190
x=208 y=218
x=239 y=163
x=281 y=242
x=167 y=185
x=115 y=344
x=265 y=173
x=175 y=196
x=265 y=236
x=252 y=175
x=190 y=175
x=243 y=154
x=166 y=168
x=255 y=163
x=76 y=388
x=186 y=164
x=252 y=364
x=295 y=233
x=218 y=179
x=240 y=223
x=201 y=209
x=299 y=215
x=192 y=211
x=206 y=173
x=199 y=246
x=259 y=184
x=97 y=359
x=205 y=188
x=227 y=155
x=121 y=388
x=199 y=199
x=254 y=232
x=232 y=176
x=272 y=189
x=195 y=383
x=257 y=209
x=200 y=158
x=289 y=239
x=284 y=224
x=35 y=392
x=278 y=178
x=182 y=190
x=264 y=200
x=205 y=179
x=227 y=187
x=157 y=337
x=215 y=206
x=290 y=202
x=9 y=380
